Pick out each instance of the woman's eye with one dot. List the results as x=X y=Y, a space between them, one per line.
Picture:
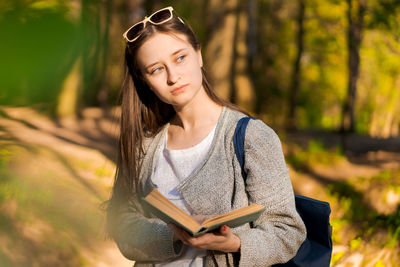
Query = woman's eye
x=156 y=70
x=181 y=58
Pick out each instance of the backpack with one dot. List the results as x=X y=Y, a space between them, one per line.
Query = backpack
x=316 y=250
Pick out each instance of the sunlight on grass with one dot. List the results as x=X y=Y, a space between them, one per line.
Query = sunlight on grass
x=355 y=243
x=314 y=153
x=336 y=257
x=352 y=201
x=102 y=171
x=379 y=263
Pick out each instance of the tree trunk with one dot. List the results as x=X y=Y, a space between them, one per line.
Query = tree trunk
x=354 y=41
x=91 y=34
x=242 y=92
x=67 y=102
x=227 y=52
x=295 y=82
x=102 y=95
x=221 y=24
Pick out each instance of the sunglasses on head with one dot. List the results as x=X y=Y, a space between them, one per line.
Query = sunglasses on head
x=159 y=17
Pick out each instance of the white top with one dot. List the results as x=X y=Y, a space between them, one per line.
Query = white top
x=173 y=167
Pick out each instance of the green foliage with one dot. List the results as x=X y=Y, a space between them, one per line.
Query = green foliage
x=351 y=202
x=379 y=264
x=101 y=172
x=6 y=189
x=392 y=223
x=338 y=225
x=324 y=61
x=384 y=175
x=314 y=153
x=42 y=42
x=336 y=257
x=38 y=49
x=355 y=243
x=378 y=106
x=5 y=262
x=354 y=210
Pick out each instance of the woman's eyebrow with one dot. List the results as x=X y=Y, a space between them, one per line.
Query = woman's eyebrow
x=150 y=65
x=178 y=51
x=173 y=54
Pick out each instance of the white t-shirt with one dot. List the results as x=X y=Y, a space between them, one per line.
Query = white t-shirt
x=173 y=167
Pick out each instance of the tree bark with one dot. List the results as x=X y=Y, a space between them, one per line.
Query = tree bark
x=67 y=102
x=91 y=34
x=102 y=95
x=242 y=92
x=227 y=52
x=296 y=74
x=221 y=24
x=355 y=28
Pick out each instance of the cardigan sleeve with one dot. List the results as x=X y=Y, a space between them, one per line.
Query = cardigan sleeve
x=278 y=233
x=144 y=239
x=139 y=237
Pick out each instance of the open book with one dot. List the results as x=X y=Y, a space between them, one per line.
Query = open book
x=164 y=209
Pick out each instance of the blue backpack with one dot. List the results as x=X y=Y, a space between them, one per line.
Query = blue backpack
x=316 y=250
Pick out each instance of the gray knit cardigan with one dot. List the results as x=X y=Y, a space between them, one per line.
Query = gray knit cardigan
x=216 y=187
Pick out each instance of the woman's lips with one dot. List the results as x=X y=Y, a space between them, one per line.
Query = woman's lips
x=179 y=89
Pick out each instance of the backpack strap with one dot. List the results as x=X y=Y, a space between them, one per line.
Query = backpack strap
x=238 y=142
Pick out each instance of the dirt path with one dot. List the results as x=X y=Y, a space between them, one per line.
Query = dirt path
x=56 y=175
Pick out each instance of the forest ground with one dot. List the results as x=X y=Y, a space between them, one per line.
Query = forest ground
x=55 y=174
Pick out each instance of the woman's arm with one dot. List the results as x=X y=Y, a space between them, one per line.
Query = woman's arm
x=143 y=239
x=279 y=231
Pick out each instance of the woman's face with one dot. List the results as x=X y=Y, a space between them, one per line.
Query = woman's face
x=171 y=67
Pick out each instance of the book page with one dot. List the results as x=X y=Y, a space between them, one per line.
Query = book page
x=253 y=208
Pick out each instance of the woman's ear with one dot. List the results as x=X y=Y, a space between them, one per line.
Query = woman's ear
x=200 y=57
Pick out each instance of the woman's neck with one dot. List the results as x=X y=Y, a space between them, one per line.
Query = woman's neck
x=202 y=111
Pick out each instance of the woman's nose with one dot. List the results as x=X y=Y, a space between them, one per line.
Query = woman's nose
x=172 y=76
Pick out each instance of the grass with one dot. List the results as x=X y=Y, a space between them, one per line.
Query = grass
x=352 y=213
x=314 y=153
x=336 y=257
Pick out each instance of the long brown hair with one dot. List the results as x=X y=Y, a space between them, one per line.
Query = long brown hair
x=143 y=115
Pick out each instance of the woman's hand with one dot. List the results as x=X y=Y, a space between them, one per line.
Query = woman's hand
x=224 y=240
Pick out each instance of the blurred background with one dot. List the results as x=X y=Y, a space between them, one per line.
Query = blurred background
x=324 y=74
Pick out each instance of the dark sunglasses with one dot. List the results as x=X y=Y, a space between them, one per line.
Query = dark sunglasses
x=159 y=17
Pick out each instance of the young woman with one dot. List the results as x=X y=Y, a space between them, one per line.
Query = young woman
x=176 y=136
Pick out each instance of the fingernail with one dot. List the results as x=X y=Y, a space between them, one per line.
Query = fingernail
x=224 y=228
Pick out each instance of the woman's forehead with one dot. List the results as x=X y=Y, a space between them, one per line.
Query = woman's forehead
x=162 y=44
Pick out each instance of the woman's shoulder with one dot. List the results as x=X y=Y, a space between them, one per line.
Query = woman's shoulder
x=154 y=139
x=257 y=130
x=255 y=124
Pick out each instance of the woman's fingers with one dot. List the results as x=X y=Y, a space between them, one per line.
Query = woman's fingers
x=182 y=235
x=208 y=240
x=225 y=230
x=222 y=240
